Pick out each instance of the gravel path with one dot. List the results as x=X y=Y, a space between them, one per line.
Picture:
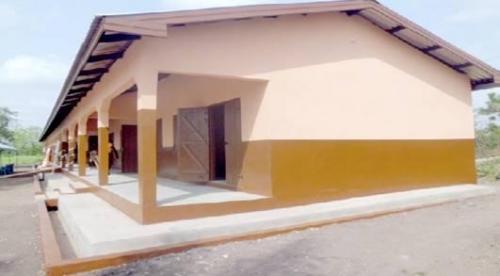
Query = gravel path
x=454 y=239
x=20 y=252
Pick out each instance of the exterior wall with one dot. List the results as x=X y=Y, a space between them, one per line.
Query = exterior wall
x=183 y=91
x=359 y=96
x=124 y=107
x=354 y=80
x=356 y=110
x=346 y=168
x=122 y=111
x=115 y=127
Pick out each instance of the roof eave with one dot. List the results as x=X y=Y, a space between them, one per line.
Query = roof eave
x=82 y=52
x=99 y=25
x=118 y=23
x=487 y=86
x=495 y=83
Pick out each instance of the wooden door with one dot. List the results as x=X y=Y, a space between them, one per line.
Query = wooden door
x=232 y=129
x=193 y=144
x=129 y=148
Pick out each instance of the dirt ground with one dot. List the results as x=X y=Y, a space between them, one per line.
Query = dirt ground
x=455 y=239
x=20 y=252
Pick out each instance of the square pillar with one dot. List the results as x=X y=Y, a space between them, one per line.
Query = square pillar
x=103 y=142
x=82 y=147
x=71 y=147
x=83 y=141
x=58 y=152
x=146 y=140
x=63 y=151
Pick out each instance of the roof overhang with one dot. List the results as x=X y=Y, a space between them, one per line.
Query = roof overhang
x=110 y=36
x=489 y=85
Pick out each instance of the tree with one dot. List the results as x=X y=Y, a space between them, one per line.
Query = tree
x=492 y=108
x=488 y=139
x=26 y=141
x=7 y=117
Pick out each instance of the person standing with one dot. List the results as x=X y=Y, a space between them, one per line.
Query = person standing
x=113 y=155
x=93 y=158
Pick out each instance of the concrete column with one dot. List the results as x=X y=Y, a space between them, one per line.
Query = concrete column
x=146 y=139
x=82 y=147
x=103 y=142
x=58 y=150
x=64 y=152
x=71 y=147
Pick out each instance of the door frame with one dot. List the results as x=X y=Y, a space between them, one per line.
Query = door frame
x=232 y=149
x=211 y=142
x=123 y=155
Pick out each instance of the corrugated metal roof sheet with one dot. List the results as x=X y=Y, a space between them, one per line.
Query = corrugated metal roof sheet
x=413 y=36
x=415 y=39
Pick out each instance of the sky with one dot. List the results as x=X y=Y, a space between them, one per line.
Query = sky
x=40 y=39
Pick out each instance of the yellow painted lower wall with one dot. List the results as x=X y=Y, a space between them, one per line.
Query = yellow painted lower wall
x=255 y=169
x=299 y=169
x=341 y=169
x=255 y=175
x=167 y=162
x=82 y=154
x=103 y=150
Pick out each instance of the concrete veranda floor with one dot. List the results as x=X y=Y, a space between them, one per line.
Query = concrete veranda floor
x=95 y=228
x=169 y=192
x=461 y=238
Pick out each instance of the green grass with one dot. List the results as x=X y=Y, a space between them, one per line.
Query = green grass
x=20 y=159
x=489 y=169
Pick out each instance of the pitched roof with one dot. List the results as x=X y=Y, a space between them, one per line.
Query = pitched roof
x=109 y=37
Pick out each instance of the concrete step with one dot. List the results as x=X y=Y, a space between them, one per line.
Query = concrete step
x=60 y=183
x=80 y=187
x=94 y=227
x=66 y=189
x=52 y=199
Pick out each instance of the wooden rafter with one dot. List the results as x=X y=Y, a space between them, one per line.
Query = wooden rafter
x=78 y=91
x=352 y=12
x=431 y=48
x=71 y=100
x=396 y=29
x=93 y=71
x=106 y=38
x=475 y=83
x=87 y=81
x=462 y=66
x=102 y=57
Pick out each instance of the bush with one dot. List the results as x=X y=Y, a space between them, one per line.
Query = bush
x=489 y=169
x=488 y=141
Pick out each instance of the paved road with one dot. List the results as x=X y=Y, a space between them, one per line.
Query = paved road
x=20 y=253
x=455 y=239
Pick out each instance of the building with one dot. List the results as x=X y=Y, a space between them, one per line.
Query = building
x=294 y=102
